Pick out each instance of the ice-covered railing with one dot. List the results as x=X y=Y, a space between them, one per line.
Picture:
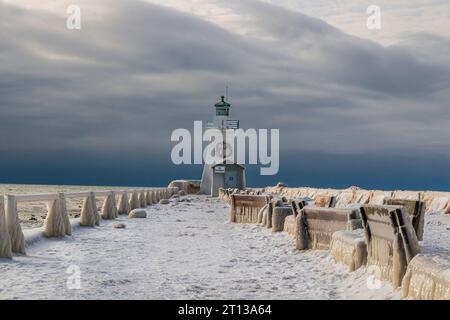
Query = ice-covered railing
x=435 y=201
x=57 y=222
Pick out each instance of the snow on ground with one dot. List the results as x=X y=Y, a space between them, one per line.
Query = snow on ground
x=437 y=235
x=188 y=250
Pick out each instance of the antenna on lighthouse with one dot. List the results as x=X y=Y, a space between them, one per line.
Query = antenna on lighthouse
x=226 y=92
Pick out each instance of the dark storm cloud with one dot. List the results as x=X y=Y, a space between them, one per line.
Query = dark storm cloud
x=115 y=90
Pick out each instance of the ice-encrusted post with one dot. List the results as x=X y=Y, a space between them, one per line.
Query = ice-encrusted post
x=87 y=213
x=106 y=208
x=109 y=209
x=130 y=201
x=14 y=229
x=54 y=223
x=5 y=240
x=142 y=199
x=154 y=200
x=134 y=200
x=94 y=207
x=65 y=214
x=301 y=234
x=124 y=205
x=233 y=211
x=279 y=215
x=148 y=197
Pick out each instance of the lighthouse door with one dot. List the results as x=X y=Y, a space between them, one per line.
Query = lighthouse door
x=231 y=178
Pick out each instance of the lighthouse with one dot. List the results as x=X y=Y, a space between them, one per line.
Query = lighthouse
x=223 y=173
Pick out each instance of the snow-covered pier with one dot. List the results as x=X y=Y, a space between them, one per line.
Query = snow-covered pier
x=187 y=248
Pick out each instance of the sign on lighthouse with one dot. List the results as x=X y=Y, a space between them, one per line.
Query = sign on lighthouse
x=223 y=173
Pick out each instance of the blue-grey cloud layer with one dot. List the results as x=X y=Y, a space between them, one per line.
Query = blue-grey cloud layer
x=98 y=105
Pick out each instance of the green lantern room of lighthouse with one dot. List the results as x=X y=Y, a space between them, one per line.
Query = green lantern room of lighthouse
x=222 y=107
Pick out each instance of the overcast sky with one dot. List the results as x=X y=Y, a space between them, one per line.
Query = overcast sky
x=98 y=105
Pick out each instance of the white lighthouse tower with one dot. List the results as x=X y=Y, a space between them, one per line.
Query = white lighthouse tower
x=223 y=174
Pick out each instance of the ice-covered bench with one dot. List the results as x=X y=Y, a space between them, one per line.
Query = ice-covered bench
x=378 y=197
x=289 y=225
x=409 y=195
x=246 y=208
x=297 y=206
x=344 y=198
x=223 y=195
x=391 y=241
x=315 y=226
x=436 y=201
x=416 y=212
x=349 y=248
x=427 y=278
x=265 y=216
x=289 y=222
x=325 y=201
x=279 y=216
